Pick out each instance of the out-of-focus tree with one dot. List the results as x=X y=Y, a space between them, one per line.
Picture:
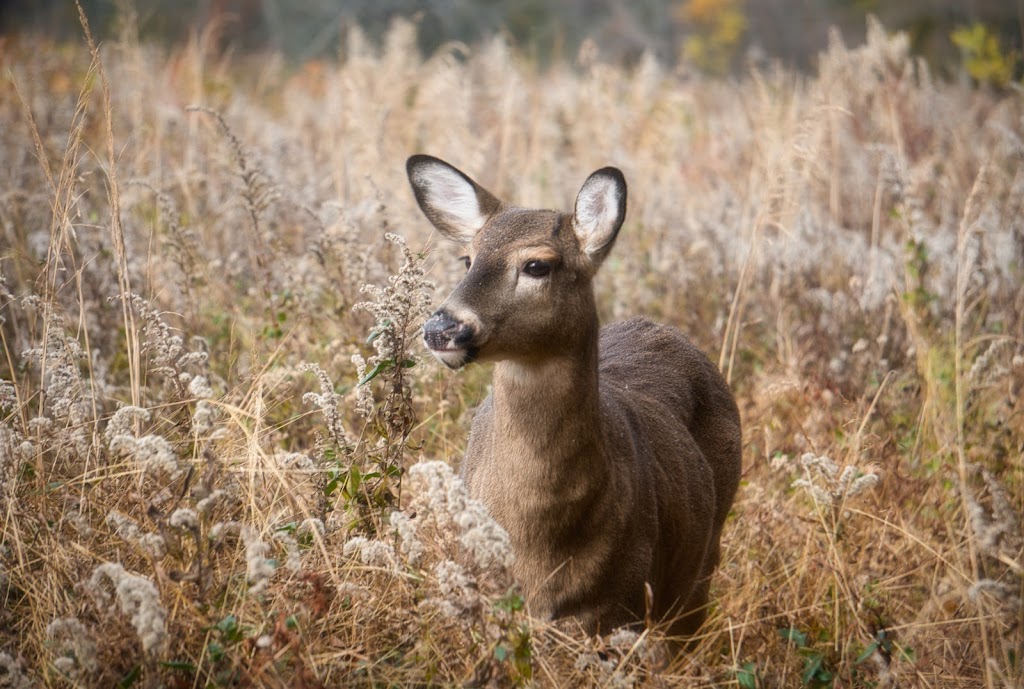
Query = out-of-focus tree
x=713 y=35
x=718 y=28
x=983 y=55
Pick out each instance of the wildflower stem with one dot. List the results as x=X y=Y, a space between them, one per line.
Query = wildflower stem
x=963 y=273
x=116 y=229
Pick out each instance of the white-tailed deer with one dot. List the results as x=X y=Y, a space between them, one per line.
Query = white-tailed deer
x=610 y=458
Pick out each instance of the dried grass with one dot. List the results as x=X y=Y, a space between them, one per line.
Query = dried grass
x=183 y=505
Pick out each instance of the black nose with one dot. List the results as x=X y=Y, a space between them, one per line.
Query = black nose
x=442 y=331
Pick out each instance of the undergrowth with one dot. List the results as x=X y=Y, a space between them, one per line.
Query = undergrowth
x=225 y=458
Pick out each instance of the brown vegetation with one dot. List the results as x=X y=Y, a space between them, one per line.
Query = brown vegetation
x=183 y=240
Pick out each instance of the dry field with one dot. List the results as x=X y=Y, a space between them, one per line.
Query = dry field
x=224 y=452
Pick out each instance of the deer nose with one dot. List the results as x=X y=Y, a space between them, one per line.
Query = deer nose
x=443 y=332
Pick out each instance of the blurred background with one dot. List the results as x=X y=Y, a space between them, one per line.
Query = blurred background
x=716 y=36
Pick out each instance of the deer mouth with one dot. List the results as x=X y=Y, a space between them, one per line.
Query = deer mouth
x=450 y=341
x=454 y=358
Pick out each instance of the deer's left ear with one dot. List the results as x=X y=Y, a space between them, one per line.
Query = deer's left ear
x=600 y=210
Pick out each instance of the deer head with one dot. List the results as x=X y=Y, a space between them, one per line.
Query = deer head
x=527 y=294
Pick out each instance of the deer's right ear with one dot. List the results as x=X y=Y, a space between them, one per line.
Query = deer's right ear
x=456 y=205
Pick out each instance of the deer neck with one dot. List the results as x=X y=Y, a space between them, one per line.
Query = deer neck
x=547 y=412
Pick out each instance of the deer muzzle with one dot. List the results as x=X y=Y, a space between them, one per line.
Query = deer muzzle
x=449 y=340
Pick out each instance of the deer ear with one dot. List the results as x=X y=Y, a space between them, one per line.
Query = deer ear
x=456 y=205
x=600 y=210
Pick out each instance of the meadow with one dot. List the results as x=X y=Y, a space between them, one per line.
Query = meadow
x=226 y=458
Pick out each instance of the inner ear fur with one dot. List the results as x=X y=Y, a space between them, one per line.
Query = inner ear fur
x=455 y=204
x=599 y=212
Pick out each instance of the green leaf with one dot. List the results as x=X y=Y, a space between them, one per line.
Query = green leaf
x=501 y=653
x=510 y=602
x=794 y=635
x=746 y=676
x=814 y=664
x=229 y=629
x=872 y=647
x=228 y=625
x=983 y=56
x=182 y=665
x=215 y=651
x=382 y=366
x=130 y=679
x=815 y=673
x=377 y=332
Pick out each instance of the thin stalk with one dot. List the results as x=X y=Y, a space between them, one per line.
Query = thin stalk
x=962 y=278
x=116 y=229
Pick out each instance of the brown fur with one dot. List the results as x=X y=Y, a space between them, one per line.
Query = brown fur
x=611 y=460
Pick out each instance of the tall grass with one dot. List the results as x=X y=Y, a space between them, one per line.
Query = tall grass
x=216 y=470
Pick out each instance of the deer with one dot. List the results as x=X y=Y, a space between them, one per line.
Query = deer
x=611 y=455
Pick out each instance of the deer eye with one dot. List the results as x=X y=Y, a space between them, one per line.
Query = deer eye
x=466 y=261
x=537 y=269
